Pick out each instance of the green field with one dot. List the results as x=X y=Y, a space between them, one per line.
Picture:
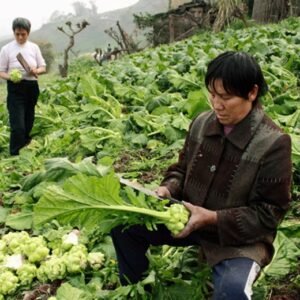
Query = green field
x=130 y=117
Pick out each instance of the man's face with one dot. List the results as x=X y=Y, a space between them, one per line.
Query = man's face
x=230 y=109
x=21 y=35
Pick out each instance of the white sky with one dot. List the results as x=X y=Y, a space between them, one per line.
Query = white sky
x=39 y=11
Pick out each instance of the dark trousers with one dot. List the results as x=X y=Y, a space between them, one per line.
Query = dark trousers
x=21 y=100
x=232 y=278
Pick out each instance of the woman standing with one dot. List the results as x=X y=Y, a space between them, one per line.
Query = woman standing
x=22 y=95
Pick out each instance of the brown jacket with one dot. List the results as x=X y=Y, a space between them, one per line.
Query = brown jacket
x=244 y=176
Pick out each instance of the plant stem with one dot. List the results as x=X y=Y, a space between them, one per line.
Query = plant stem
x=164 y=215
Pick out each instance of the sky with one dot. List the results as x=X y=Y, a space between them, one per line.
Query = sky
x=39 y=11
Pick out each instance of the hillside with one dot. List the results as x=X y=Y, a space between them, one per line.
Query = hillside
x=93 y=36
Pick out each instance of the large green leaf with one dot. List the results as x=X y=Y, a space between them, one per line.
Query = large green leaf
x=76 y=201
x=89 y=201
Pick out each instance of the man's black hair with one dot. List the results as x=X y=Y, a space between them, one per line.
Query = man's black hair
x=238 y=71
x=21 y=23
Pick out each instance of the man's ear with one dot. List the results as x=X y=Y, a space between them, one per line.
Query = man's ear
x=253 y=93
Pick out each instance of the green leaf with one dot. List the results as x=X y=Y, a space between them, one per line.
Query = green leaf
x=59 y=168
x=172 y=134
x=67 y=292
x=197 y=102
x=295 y=148
x=94 y=190
x=161 y=100
x=162 y=110
x=32 y=180
x=86 y=201
x=139 y=139
x=285 y=259
x=90 y=86
x=19 y=221
x=181 y=122
x=3 y=214
x=137 y=200
x=75 y=202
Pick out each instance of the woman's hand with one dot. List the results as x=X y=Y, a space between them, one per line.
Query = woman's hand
x=163 y=192
x=34 y=72
x=199 y=217
x=37 y=71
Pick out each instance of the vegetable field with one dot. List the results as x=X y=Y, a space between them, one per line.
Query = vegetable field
x=60 y=197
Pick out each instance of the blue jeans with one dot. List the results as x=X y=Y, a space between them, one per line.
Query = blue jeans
x=232 y=278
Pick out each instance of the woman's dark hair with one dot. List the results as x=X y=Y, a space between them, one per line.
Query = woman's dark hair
x=21 y=23
x=238 y=71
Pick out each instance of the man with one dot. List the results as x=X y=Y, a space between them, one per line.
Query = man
x=234 y=175
x=21 y=96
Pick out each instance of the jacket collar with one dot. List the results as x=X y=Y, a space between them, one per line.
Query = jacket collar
x=242 y=132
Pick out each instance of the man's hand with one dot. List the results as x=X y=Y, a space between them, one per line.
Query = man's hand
x=199 y=217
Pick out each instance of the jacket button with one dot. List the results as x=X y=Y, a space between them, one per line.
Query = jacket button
x=212 y=168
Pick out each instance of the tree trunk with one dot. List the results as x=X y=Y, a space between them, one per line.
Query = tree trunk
x=171 y=29
x=63 y=69
x=270 y=11
x=125 y=41
x=250 y=7
x=295 y=8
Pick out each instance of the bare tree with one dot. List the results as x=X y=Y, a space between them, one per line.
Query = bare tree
x=115 y=36
x=63 y=69
x=122 y=38
x=128 y=41
x=226 y=11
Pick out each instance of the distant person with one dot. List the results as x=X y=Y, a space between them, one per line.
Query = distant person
x=115 y=53
x=98 y=54
x=108 y=48
x=22 y=96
